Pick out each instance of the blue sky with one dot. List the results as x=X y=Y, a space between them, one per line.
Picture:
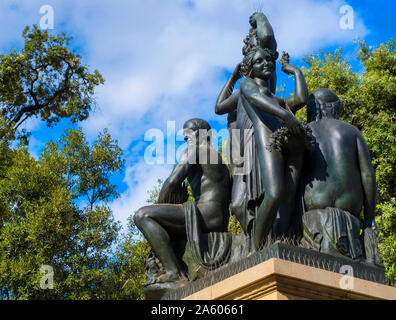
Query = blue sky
x=168 y=60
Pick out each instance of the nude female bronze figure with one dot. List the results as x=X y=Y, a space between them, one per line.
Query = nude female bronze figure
x=242 y=157
x=279 y=169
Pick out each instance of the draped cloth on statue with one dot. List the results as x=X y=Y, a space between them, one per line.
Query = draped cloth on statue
x=246 y=173
x=210 y=250
x=249 y=154
x=333 y=229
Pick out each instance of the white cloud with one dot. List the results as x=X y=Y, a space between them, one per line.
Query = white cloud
x=153 y=51
x=139 y=178
x=35 y=147
x=156 y=56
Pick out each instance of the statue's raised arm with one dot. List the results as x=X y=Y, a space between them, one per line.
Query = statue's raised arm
x=300 y=96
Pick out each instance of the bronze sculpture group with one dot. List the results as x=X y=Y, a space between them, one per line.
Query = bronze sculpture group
x=306 y=182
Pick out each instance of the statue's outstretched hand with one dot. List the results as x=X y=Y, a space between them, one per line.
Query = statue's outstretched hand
x=286 y=66
x=285 y=58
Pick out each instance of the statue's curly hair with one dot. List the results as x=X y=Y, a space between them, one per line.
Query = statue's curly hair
x=249 y=45
x=197 y=124
x=323 y=103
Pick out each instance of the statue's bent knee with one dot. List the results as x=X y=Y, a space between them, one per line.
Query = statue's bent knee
x=140 y=216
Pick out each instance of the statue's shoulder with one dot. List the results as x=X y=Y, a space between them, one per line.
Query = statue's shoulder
x=247 y=84
x=247 y=80
x=183 y=158
x=346 y=126
x=334 y=126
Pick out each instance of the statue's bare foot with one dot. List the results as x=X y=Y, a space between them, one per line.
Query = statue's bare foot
x=168 y=277
x=149 y=282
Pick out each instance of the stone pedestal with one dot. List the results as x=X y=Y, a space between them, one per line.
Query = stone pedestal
x=277 y=279
x=284 y=271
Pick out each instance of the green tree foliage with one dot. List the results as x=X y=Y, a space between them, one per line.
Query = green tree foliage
x=234 y=227
x=369 y=103
x=154 y=193
x=45 y=79
x=386 y=221
x=54 y=210
x=87 y=169
x=128 y=269
x=45 y=220
x=129 y=266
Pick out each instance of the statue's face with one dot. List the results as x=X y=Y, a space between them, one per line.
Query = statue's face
x=190 y=136
x=194 y=136
x=263 y=65
x=329 y=108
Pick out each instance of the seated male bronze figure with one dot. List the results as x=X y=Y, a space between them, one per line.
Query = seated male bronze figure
x=170 y=221
x=339 y=180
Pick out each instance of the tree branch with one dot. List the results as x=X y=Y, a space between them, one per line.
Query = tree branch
x=47 y=102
